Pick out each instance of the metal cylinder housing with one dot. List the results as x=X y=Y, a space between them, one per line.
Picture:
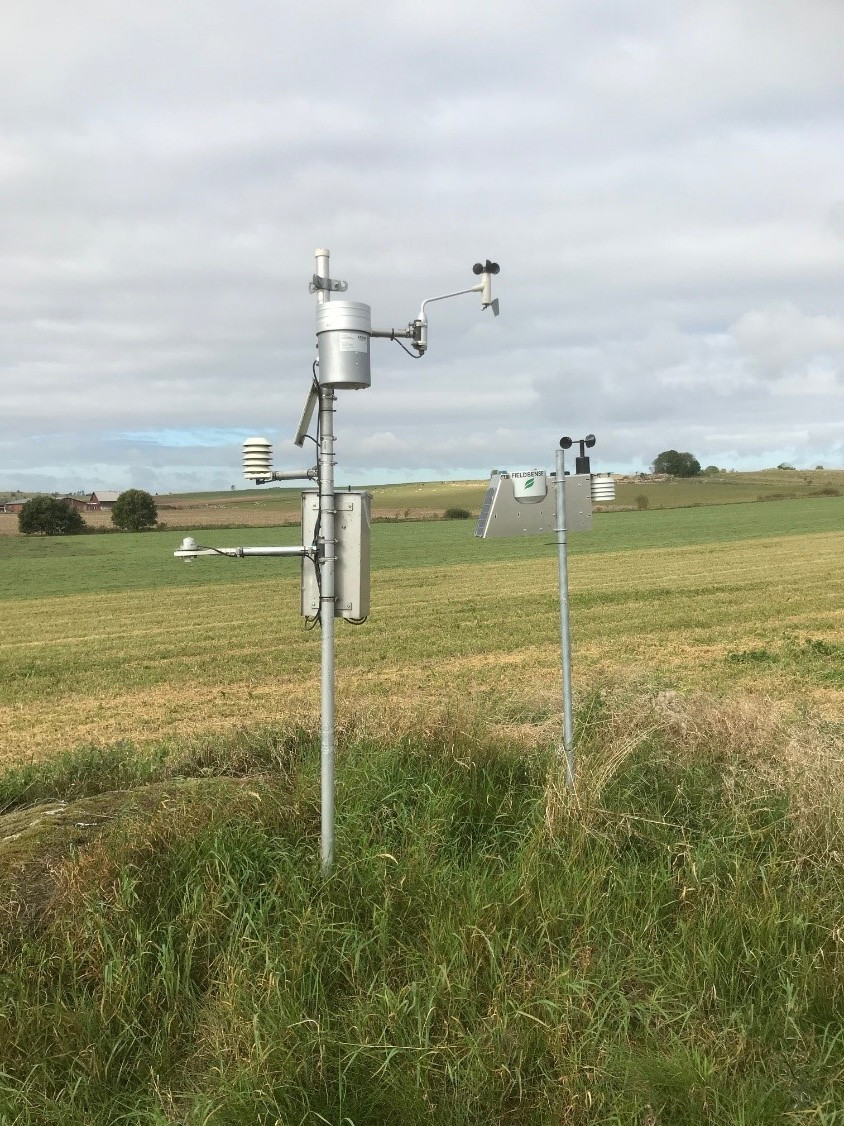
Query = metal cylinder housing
x=343 y=334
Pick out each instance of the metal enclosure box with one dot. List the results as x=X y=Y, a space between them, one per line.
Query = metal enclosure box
x=352 y=524
x=503 y=515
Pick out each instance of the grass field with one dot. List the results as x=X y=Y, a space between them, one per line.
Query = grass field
x=665 y=947
x=109 y=637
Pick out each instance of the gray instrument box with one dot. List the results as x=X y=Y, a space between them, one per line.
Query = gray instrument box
x=352 y=524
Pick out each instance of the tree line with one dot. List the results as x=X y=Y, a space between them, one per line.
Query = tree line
x=133 y=511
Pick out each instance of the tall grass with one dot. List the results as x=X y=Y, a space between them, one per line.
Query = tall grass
x=664 y=946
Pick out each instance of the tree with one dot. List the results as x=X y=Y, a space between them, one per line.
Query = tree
x=134 y=511
x=50 y=517
x=676 y=464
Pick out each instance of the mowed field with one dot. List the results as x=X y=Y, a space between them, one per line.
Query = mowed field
x=109 y=638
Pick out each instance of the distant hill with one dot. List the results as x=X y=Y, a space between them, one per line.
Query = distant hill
x=428 y=500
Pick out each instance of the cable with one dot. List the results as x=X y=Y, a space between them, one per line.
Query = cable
x=217 y=551
x=411 y=354
x=311 y=623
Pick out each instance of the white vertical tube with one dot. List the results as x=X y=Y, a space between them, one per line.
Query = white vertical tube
x=327 y=550
x=565 y=630
x=322 y=257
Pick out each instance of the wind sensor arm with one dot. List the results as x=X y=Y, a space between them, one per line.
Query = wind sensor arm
x=417 y=331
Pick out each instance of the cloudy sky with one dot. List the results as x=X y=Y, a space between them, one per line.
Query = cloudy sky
x=662 y=182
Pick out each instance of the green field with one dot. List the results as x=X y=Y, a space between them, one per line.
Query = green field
x=38 y=568
x=663 y=948
x=110 y=637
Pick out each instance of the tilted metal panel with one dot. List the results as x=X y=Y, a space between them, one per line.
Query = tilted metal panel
x=502 y=515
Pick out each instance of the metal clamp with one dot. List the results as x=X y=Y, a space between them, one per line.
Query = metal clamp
x=327 y=283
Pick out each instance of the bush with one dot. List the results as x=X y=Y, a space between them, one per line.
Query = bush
x=50 y=517
x=642 y=502
x=134 y=511
x=457 y=514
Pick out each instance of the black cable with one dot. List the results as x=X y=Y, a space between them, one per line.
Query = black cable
x=217 y=551
x=311 y=623
x=417 y=356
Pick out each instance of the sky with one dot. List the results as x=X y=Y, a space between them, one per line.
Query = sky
x=662 y=182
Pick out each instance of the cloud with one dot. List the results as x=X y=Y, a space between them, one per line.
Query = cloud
x=660 y=183
x=782 y=340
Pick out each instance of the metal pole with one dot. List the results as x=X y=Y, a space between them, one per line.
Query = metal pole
x=327 y=545
x=565 y=630
x=189 y=553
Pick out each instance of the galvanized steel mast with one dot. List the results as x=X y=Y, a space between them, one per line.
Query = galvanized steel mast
x=565 y=626
x=327 y=558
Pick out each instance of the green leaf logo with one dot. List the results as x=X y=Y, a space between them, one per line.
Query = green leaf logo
x=531 y=481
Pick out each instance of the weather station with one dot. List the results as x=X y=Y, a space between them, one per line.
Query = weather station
x=521 y=504
x=334 y=553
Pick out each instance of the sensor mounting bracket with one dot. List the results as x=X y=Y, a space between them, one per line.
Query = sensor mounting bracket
x=318 y=283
